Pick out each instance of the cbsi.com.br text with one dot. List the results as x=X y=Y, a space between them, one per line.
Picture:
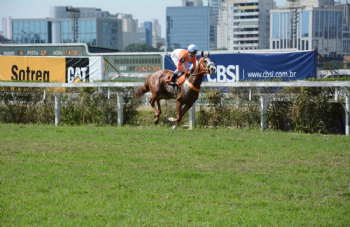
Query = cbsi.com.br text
x=231 y=73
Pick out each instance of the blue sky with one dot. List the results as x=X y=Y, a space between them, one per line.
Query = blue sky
x=143 y=10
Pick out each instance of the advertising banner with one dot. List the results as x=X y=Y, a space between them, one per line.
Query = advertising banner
x=259 y=66
x=51 y=69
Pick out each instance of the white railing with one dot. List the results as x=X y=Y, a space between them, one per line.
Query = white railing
x=263 y=97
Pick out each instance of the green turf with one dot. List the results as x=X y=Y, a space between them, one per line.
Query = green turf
x=152 y=176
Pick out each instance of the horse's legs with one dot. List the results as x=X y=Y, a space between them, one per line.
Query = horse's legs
x=184 y=109
x=178 y=111
x=155 y=109
x=159 y=110
x=181 y=110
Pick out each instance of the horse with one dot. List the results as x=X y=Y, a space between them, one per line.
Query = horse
x=187 y=93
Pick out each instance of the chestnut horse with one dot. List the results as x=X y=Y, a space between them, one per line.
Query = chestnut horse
x=187 y=93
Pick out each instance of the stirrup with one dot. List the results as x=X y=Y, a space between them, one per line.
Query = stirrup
x=174 y=79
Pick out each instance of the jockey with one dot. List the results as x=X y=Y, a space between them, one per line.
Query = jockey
x=181 y=57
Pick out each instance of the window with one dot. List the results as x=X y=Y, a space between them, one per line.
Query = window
x=305 y=28
x=31 y=26
x=276 y=26
x=15 y=27
x=82 y=26
x=88 y=26
x=36 y=27
x=20 y=26
x=326 y=31
x=43 y=28
x=316 y=23
x=93 y=26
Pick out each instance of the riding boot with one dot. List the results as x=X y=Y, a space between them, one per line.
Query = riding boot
x=175 y=91
x=173 y=80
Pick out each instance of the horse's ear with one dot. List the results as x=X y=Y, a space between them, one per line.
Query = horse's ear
x=202 y=54
x=208 y=54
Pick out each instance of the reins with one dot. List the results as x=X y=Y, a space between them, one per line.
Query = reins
x=204 y=69
x=200 y=72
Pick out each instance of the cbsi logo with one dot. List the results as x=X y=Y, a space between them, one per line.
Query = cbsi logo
x=225 y=74
x=77 y=74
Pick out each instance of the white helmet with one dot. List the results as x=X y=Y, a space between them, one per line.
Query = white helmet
x=192 y=49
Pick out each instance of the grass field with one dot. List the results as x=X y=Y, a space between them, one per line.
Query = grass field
x=152 y=176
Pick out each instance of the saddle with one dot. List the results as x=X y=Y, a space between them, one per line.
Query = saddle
x=180 y=79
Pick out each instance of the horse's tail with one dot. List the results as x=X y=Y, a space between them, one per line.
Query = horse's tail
x=143 y=89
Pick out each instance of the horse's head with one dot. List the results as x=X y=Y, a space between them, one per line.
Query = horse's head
x=206 y=65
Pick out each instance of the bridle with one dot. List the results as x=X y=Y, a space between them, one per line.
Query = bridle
x=205 y=69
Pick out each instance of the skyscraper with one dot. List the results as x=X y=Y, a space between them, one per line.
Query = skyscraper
x=148 y=32
x=191 y=24
x=6 y=27
x=251 y=25
x=156 y=34
x=310 y=24
x=68 y=25
x=130 y=29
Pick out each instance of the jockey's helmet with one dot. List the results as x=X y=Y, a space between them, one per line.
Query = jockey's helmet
x=192 y=49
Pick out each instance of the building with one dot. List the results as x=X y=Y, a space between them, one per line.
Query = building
x=225 y=24
x=142 y=32
x=192 y=23
x=6 y=27
x=130 y=38
x=251 y=24
x=130 y=29
x=215 y=6
x=192 y=2
x=312 y=24
x=156 y=34
x=147 y=25
x=128 y=23
x=70 y=25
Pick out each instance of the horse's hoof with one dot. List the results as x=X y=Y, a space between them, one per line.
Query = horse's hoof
x=175 y=127
x=156 y=122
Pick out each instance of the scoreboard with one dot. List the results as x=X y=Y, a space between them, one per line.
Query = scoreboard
x=131 y=64
x=43 y=50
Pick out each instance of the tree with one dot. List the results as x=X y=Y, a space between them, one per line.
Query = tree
x=222 y=48
x=169 y=49
x=139 y=47
x=158 y=46
x=4 y=40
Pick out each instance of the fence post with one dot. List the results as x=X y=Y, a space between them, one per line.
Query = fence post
x=347 y=113
x=336 y=92
x=58 y=98
x=263 y=122
x=44 y=95
x=192 y=115
x=120 y=109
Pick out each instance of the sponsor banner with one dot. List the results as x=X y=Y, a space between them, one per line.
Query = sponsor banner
x=51 y=69
x=259 y=66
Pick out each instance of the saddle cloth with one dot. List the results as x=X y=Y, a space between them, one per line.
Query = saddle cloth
x=179 y=80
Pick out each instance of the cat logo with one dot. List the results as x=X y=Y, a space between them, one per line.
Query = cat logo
x=77 y=70
x=76 y=75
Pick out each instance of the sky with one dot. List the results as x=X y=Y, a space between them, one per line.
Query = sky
x=143 y=10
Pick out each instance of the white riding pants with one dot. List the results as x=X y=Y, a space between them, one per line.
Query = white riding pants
x=176 y=60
